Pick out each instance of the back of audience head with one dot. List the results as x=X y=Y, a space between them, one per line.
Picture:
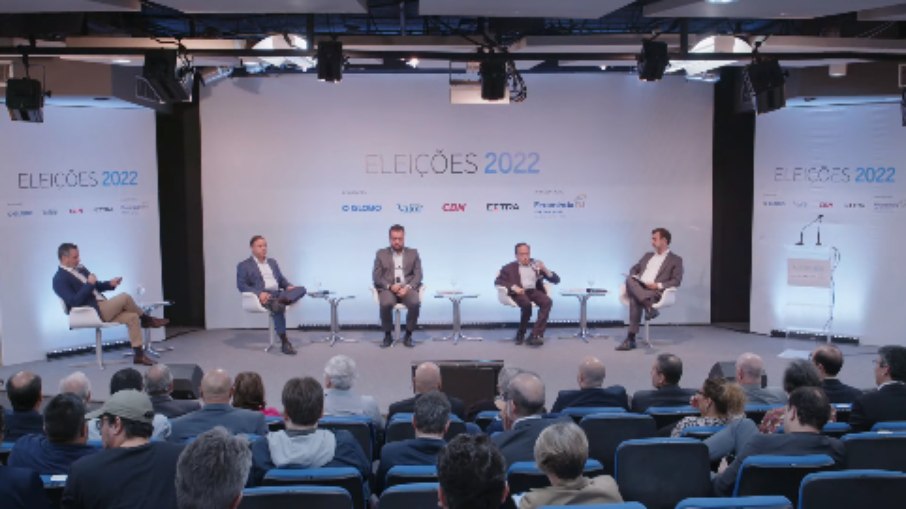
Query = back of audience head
x=525 y=395
x=128 y=414
x=339 y=372
x=472 y=473
x=800 y=373
x=303 y=401
x=64 y=419
x=891 y=364
x=812 y=410
x=216 y=386
x=426 y=378
x=158 y=380
x=561 y=451
x=667 y=370
x=212 y=471
x=77 y=383
x=728 y=399
x=749 y=368
x=432 y=414
x=126 y=378
x=591 y=373
x=504 y=376
x=24 y=391
x=248 y=391
x=828 y=359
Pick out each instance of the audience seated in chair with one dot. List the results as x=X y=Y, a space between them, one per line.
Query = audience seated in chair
x=131 y=470
x=64 y=442
x=495 y=405
x=248 y=393
x=829 y=360
x=665 y=377
x=719 y=402
x=339 y=397
x=24 y=392
x=216 y=392
x=806 y=412
x=522 y=418
x=749 y=368
x=426 y=379
x=159 y=386
x=591 y=392
x=799 y=373
x=20 y=488
x=130 y=378
x=302 y=444
x=560 y=452
x=212 y=471
x=471 y=473
x=888 y=402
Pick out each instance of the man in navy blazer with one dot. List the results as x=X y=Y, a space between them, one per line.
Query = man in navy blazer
x=888 y=403
x=261 y=275
x=655 y=272
x=78 y=287
x=524 y=281
x=216 y=392
x=397 y=276
x=829 y=360
x=20 y=488
x=523 y=418
x=591 y=391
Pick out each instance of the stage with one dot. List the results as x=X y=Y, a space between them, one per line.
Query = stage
x=384 y=373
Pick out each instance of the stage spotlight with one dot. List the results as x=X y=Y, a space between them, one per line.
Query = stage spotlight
x=493 y=78
x=653 y=60
x=330 y=61
x=25 y=100
x=764 y=80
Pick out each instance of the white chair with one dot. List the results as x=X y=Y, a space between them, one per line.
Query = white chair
x=86 y=317
x=668 y=298
x=251 y=304
x=503 y=295
x=398 y=311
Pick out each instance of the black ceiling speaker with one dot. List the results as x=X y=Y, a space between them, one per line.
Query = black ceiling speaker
x=25 y=100
x=493 y=78
x=653 y=60
x=330 y=61
x=170 y=82
x=764 y=80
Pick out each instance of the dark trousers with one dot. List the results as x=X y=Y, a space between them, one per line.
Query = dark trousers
x=639 y=299
x=388 y=299
x=525 y=301
x=277 y=308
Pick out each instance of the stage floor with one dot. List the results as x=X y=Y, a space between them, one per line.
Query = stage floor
x=385 y=373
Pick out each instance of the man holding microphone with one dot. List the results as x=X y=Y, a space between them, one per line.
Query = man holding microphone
x=524 y=281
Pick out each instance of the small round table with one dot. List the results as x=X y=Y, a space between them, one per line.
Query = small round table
x=456 y=298
x=148 y=308
x=334 y=302
x=583 y=294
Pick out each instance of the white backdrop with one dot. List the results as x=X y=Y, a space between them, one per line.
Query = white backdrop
x=845 y=163
x=87 y=176
x=592 y=162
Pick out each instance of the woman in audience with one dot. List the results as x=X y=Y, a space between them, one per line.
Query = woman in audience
x=719 y=402
x=800 y=373
x=560 y=452
x=248 y=393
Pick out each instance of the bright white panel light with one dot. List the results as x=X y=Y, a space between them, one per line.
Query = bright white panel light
x=280 y=42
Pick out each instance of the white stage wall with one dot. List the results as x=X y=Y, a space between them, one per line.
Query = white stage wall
x=592 y=162
x=87 y=176
x=847 y=163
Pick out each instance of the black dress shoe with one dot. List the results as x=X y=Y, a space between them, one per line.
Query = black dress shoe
x=388 y=340
x=627 y=344
x=520 y=338
x=407 y=340
x=534 y=340
x=287 y=348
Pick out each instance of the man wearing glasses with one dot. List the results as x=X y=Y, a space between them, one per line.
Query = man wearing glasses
x=888 y=403
x=131 y=471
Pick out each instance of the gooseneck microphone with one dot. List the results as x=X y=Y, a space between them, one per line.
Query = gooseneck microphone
x=806 y=227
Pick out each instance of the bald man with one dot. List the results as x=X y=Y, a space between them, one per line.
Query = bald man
x=216 y=393
x=591 y=392
x=829 y=361
x=749 y=368
x=425 y=379
x=522 y=418
x=24 y=393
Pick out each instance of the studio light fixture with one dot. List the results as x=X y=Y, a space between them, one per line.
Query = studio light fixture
x=653 y=60
x=25 y=97
x=764 y=81
x=285 y=41
x=166 y=77
x=492 y=71
x=330 y=61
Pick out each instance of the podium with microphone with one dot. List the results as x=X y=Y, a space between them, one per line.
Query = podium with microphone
x=810 y=284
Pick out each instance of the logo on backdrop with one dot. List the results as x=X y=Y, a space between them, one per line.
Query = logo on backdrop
x=854 y=205
x=558 y=207
x=453 y=207
x=353 y=192
x=800 y=204
x=20 y=213
x=825 y=204
x=365 y=207
x=773 y=203
x=441 y=162
x=76 y=211
x=132 y=207
x=501 y=207
x=888 y=204
x=49 y=212
x=410 y=208
x=103 y=210
x=836 y=175
x=72 y=179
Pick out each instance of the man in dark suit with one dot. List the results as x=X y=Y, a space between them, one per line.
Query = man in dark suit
x=888 y=403
x=20 y=488
x=522 y=418
x=397 y=276
x=159 y=386
x=431 y=420
x=216 y=391
x=426 y=379
x=648 y=279
x=78 y=287
x=524 y=282
x=24 y=392
x=590 y=392
x=829 y=360
x=807 y=411
x=665 y=376
x=261 y=275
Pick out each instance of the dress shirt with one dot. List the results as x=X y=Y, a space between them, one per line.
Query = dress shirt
x=398 y=276
x=97 y=295
x=270 y=282
x=528 y=277
x=653 y=267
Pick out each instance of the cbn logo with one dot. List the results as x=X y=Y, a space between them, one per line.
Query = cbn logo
x=361 y=208
x=454 y=207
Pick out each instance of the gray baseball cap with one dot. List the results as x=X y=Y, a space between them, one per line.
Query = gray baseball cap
x=128 y=404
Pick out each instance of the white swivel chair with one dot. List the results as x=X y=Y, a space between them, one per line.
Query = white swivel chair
x=86 y=317
x=668 y=298
x=503 y=295
x=398 y=312
x=251 y=304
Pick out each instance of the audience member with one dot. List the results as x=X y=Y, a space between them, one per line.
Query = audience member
x=888 y=402
x=591 y=391
x=20 y=488
x=212 y=471
x=807 y=411
x=799 y=373
x=64 y=441
x=24 y=392
x=749 y=368
x=503 y=380
x=431 y=420
x=829 y=360
x=216 y=391
x=302 y=444
x=471 y=473
x=522 y=418
x=130 y=378
x=561 y=452
x=131 y=470
x=77 y=383
x=426 y=379
x=339 y=398
x=159 y=386
x=248 y=393
x=665 y=377
x=718 y=401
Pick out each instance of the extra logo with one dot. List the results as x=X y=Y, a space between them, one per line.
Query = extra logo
x=365 y=207
x=103 y=210
x=410 y=208
x=854 y=205
x=501 y=207
x=453 y=207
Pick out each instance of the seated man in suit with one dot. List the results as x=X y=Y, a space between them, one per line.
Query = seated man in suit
x=63 y=443
x=523 y=418
x=216 y=392
x=24 y=392
x=77 y=287
x=829 y=360
x=888 y=403
x=397 y=276
x=749 y=368
x=20 y=488
x=261 y=275
x=426 y=379
x=655 y=272
x=212 y=471
x=159 y=386
x=590 y=392
x=471 y=473
x=431 y=420
x=524 y=281
x=665 y=376
x=807 y=411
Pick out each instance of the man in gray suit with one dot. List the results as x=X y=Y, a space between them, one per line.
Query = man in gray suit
x=397 y=277
x=216 y=392
x=648 y=279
